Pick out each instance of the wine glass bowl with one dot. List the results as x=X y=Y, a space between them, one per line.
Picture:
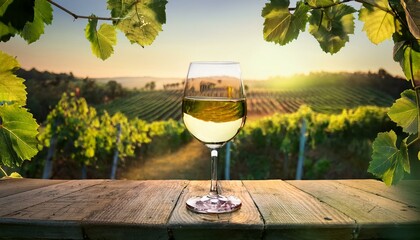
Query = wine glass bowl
x=214 y=111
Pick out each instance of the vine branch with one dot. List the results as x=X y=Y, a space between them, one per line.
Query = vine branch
x=331 y=5
x=2 y=171
x=346 y=1
x=412 y=142
x=76 y=16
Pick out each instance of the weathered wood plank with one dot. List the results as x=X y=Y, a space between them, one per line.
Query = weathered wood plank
x=13 y=227
x=76 y=205
x=17 y=185
x=103 y=209
x=292 y=214
x=404 y=192
x=33 y=197
x=242 y=224
x=376 y=216
x=143 y=211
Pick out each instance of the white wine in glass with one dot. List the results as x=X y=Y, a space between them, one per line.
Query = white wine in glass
x=213 y=111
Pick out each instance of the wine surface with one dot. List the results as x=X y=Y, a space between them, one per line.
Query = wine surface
x=214 y=121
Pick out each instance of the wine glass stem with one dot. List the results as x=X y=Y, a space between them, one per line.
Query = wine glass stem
x=213 y=185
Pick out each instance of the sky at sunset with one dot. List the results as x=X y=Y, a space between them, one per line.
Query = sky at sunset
x=194 y=30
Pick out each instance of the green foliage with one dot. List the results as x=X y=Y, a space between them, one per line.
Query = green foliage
x=18 y=129
x=76 y=127
x=85 y=138
x=317 y=169
x=330 y=22
x=140 y=21
x=32 y=31
x=405 y=113
x=331 y=26
x=24 y=17
x=280 y=26
x=102 y=40
x=12 y=88
x=15 y=175
x=407 y=53
x=38 y=83
x=379 y=21
x=388 y=161
x=339 y=141
x=320 y=3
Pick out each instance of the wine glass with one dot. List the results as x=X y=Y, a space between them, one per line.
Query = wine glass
x=213 y=111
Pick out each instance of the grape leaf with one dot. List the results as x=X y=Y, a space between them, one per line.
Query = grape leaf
x=412 y=13
x=141 y=21
x=407 y=53
x=18 y=13
x=15 y=175
x=18 y=130
x=280 y=26
x=331 y=26
x=12 y=88
x=404 y=112
x=379 y=21
x=389 y=162
x=102 y=40
x=3 y=6
x=43 y=14
x=6 y=32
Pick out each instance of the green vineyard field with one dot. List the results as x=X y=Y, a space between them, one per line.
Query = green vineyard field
x=165 y=104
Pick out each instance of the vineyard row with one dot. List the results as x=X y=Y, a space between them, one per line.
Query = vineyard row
x=164 y=105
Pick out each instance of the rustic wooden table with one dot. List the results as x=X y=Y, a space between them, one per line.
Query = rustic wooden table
x=272 y=209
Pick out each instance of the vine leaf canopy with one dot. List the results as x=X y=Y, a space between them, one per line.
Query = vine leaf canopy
x=404 y=112
x=379 y=21
x=140 y=21
x=32 y=31
x=18 y=129
x=388 y=161
x=24 y=17
x=331 y=26
x=102 y=40
x=12 y=88
x=280 y=26
x=331 y=22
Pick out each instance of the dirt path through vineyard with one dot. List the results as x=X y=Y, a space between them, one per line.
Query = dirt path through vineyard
x=189 y=162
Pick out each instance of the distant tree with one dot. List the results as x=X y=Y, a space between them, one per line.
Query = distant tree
x=113 y=90
x=150 y=86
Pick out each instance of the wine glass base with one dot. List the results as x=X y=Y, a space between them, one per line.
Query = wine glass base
x=214 y=204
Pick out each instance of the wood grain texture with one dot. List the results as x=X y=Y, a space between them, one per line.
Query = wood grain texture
x=143 y=211
x=376 y=216
x=244 y=223
x=17 y=185
x=76 y=205
x=17 y=222
x=25 y=200
x=407 y=192
x=272 y=209
x=292 y=214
